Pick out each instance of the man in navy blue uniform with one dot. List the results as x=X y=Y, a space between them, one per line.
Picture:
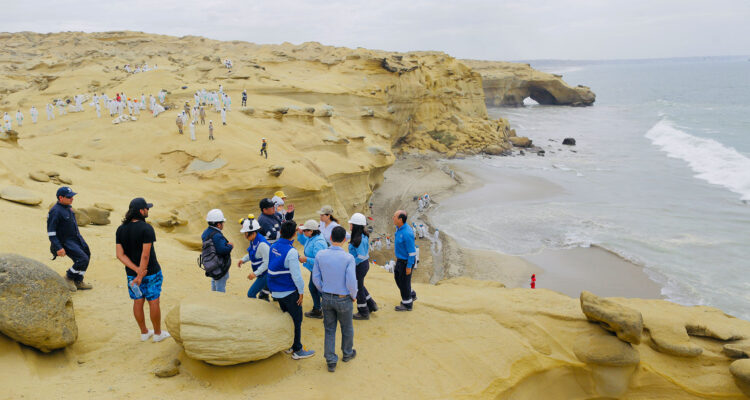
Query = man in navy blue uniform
x=65 y=238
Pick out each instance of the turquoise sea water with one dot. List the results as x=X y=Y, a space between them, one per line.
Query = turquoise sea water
x=660 y=175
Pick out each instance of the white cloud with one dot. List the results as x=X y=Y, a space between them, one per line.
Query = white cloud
x=488 y=29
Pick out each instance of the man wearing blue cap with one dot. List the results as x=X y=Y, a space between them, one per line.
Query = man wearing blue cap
x=66 y=240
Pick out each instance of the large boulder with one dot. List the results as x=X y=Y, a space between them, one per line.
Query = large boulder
x=228 y=330
x=520 y=141
x=625 y=322
x=740 y=369
x=35 y=304
x=97 y=215
x=20 y=195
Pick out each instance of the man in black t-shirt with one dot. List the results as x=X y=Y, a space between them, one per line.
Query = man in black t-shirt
x=135 y=249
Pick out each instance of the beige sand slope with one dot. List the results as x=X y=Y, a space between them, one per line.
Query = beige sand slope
x=466 y=338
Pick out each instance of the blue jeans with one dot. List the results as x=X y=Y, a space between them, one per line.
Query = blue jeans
x=221 y=284
x=257 y=286
x=314 y=293
x=337 y=310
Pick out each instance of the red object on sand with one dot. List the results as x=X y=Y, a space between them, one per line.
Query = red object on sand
x=533 y=281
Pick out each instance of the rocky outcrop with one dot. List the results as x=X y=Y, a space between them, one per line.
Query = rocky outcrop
x=740 y=370
x=35 y=304
x=228 y=330
x=97 y=215
x=625 y=322
x=20 y=195
x=508 y=84
x=611 y=360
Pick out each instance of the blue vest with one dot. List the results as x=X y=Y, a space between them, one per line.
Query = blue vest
x=255 y=262
x=279 y=277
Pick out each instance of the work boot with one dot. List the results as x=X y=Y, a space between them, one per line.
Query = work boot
x=414 y=295
x=263 y=296
x=71 y=284
x=314 y=313
x=351 y=357
x=372 y=305
x=361 y=316
x=81 y=285
x=402 y=307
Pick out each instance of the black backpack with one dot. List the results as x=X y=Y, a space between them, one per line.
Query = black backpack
x=216 y=266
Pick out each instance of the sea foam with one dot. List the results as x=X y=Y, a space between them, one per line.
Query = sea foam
x=712 y=161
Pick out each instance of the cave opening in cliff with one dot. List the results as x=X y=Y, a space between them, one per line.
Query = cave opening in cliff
x=542 y=96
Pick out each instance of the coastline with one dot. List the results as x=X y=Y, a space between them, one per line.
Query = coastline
x=568 y=271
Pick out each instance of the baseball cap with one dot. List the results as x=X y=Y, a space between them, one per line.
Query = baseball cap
x=139 y=203
x=65 y=191
x=266 y=203
x=328 y=210
x=310 y=225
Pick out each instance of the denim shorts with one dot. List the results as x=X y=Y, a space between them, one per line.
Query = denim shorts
x=150 y=286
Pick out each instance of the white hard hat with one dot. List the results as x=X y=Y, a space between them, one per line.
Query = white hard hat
x=250 y=225
x=358 y=219
x=215 y=215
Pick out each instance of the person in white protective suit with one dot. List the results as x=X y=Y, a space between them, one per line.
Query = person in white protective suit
x=223 y=116
x=6 y=120
x=50 y=112
x=192 y=130
x=34 y=114
x=19 y=118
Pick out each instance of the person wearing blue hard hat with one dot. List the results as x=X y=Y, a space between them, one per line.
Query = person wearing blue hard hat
x=65 y=238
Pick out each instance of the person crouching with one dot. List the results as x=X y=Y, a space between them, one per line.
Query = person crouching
x=257 y=255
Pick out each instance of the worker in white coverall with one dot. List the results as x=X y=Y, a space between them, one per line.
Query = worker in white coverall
x=192 y=130
x=34 y=114
x=19 y=118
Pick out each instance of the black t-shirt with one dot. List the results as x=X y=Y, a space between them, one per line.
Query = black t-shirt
x=132 y=236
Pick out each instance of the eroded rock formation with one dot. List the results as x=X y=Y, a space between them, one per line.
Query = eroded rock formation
x=508 y=84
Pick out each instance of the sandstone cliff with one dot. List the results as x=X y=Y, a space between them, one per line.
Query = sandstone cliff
x=508 y=84
x=335 y=117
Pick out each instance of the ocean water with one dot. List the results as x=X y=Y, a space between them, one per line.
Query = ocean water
x=660 y=175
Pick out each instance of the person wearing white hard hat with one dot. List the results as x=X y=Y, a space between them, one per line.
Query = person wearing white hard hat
x=359 y=248
x=257 y=255
x=310 y=237
x=222 y=246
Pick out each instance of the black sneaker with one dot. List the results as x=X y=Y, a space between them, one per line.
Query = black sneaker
x=314 y=313
x=332 y=367
x=351 y=357
x=360 y=316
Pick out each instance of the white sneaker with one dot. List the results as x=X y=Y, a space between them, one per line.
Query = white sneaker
x=145 y=336
x=163 y=335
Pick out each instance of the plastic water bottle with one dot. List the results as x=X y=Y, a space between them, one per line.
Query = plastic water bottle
x=136 y=289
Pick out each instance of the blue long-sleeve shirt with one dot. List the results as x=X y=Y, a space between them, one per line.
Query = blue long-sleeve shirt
x=221 y=244
x=292 y=263
x=361 y=253
x=404 y=245
x=334 y=272
x=312 y=246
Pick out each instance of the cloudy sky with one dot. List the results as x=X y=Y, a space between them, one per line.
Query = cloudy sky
x=481 y=29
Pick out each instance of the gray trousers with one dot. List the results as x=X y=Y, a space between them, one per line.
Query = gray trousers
x=337 y=310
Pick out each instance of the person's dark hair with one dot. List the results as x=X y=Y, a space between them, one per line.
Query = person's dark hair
x=357 y=232
x=338 y=234
x=333 y=218
x=315 y=233
x=288 y=228
x=131 y=215
x=214 y=224
x=402 y=216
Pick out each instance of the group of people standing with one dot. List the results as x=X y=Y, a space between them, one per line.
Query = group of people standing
x=337 y=269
